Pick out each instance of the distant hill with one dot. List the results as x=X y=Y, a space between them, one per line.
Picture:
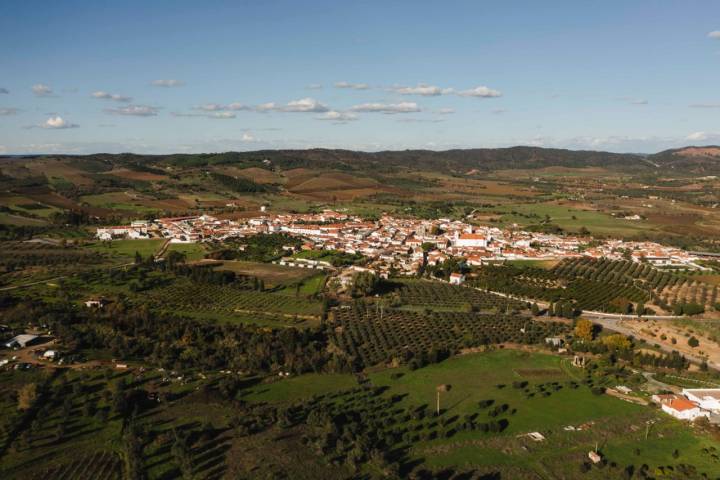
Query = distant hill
x=459 y=160
x=693 y=159
x=698 y=160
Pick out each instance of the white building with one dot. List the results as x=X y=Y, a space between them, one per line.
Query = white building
x=683 y=409
x=21 y=341
x=470 y=240
x=457 y=278
x=706 y=398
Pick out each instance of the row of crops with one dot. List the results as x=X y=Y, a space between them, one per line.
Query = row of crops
x=618 y=272
x=588 y=289
x=101 y=465
x=374 y=337
x=665 y=288
x=227 y=299
x=428 y=293
x=16 y=256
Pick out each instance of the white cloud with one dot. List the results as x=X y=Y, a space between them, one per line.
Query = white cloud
x=58 y=123
x=248 y=137
x=702 y=136
x=421 y=89
x=218 y=107
x=8 y=111
x=238 y=106
x=168 y=83
x=42 y=90
x=498 y=111
x=4 y=90
x=266 y=107
x=480 y=92
x=134 y=110
x=222 y=115
x=445 y=111
x=389 y=108
x=314 y=86
x=714 y=34
x=338 y=117
x=354 y=86
x=304 y=105
x=111 y=96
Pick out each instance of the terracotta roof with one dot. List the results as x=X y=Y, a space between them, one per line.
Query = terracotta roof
x=471 y=236
x=681 y=404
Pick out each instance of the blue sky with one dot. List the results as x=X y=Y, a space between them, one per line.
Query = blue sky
x=189 y=76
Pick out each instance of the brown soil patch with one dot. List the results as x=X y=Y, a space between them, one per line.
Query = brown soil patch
x=134 y=175
x=699 y=152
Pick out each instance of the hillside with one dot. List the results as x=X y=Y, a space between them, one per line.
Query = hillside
x=699 y=160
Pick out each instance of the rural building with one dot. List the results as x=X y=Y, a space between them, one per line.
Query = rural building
x=457 y=278
x=21 y=341
x=470 y=240
x=683 y=409
x=706 y=398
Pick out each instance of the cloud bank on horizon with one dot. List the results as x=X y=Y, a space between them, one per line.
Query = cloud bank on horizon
x=561 y=75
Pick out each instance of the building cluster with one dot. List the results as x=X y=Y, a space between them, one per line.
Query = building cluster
x=691 y=404
x=402 y=245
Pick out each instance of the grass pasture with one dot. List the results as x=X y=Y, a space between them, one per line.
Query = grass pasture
x=125 y=249
x=549 y=401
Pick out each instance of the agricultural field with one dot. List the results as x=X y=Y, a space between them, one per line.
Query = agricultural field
x=371 y=336
x=192 y=251
x=442 y=296
x=228 y=300
x=491 y=401
x=601 y=285
x=124 y=250
x=273 y=275
x=25 y=262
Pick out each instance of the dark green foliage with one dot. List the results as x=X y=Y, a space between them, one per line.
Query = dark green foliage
x=239 y=184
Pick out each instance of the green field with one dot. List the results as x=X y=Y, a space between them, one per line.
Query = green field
x=125 y=249
x=617 y=426
x=571 y=219
x=192 y=251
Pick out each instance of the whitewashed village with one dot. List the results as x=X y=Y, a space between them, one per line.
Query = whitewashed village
x=402 y=245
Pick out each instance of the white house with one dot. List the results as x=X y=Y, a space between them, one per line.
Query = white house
x=706 y=398
x=470 y=240
x=683 y=409
x=457 y=278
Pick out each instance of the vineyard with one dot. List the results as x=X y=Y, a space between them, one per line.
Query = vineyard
x=228 y=299
x=443 y=295
x=371 y=337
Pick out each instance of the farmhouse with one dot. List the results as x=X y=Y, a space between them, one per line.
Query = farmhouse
x=457 y=278
x=683 y=409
